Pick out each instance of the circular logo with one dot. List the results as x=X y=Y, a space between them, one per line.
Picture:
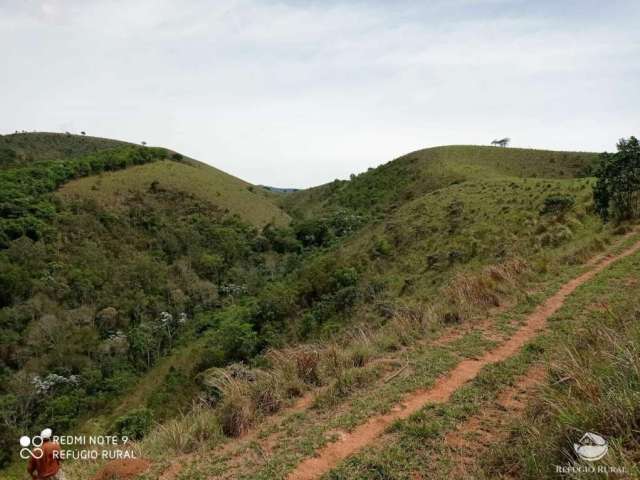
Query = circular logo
x=26 y=452
x=591 y=447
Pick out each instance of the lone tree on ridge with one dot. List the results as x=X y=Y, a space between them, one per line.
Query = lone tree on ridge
x=503 y=142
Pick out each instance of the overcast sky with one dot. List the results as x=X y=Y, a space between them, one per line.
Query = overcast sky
x=297 y=93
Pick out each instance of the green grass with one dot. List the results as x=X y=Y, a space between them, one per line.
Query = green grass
x=459 y=229
x=440 y=231
x=36 y=146
x=601 y=395
x=434 y=214
x=412 y=442
x=411 y=176
x=207 y=183
x=594 y=359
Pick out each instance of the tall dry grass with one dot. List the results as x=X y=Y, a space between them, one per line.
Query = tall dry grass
x=594 y=387
x=467 y=293
x=243 y=396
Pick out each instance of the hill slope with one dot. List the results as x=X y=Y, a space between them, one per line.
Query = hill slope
x=230 y=194
x=107 y=251
x=37 y=146
x=423 y=171
x=158 y=280
x=447 y=281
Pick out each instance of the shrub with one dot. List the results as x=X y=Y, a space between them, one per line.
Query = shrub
x=234 y=335
x=282 y=240
x=186 y=433
x=314 y=232
x=134 y=425
x=8 y=156
x=382 y=248
x=267 y=393
x=557 y=204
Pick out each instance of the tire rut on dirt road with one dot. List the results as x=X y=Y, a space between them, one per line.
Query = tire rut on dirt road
x=473 y=437
x=333 y=453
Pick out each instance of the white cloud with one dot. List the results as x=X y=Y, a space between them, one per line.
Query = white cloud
x=298 y=93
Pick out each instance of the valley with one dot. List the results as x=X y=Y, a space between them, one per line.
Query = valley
x=362 y=329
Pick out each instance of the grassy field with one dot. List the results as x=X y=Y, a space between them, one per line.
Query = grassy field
x=36 y=146
x=456 y=243
x=230 y=194
x=590 y=358
x=411 y=176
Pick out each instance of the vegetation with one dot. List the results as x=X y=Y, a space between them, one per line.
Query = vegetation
x=594 y=386
x=92 y=296
x=30 y=147
x=229 y=194
x=617 y=191
x=134 y=280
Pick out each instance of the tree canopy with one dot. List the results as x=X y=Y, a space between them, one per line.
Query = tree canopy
x=617 y=191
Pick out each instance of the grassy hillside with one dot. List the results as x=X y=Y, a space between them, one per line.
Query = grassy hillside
x=361 y=269
x=230 y=194
x=412 y=224
x=159 y=280
x=412 y=175
x=106 y=258
x=36 y=146
x=252 y=203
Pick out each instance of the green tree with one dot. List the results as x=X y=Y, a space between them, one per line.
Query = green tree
x=313 y=232
x=212 y=266
x=617 y=192
x=234 y=335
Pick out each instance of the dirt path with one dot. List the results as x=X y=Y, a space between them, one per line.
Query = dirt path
x=447 y=336
x=472 y=438
x=333 y=453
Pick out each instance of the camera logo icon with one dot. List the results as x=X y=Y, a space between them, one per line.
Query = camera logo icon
x=31 y=446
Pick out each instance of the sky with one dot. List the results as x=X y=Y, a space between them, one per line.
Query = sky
x=297 y=93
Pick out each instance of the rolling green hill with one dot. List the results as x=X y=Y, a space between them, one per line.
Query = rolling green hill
x=232 y=195
x=453 y=216
x=35 y=146
x=135 y=280
x=99 y=238
x=389 y=260
x=412 y=175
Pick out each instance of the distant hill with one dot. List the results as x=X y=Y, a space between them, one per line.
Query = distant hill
x=423 y=171
x=187 y=175
x=280 y=190
x=207 y=183
x=30 y=146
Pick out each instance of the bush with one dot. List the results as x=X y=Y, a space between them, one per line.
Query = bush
x=281 y=240
x=557 y=204
x=382 y=248
x=187 y=433
x=8 y=156
x=134 y=425
x=234 y=335
x=236 y=411
x=313 y=233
